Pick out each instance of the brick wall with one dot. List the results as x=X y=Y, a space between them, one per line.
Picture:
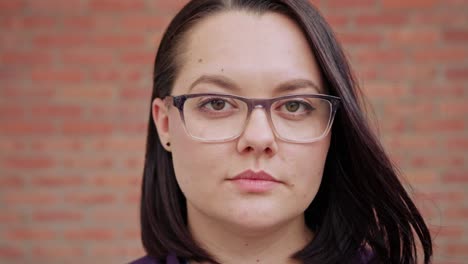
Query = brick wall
x=75 y=81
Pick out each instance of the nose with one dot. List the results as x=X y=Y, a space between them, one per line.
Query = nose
x=258 y=136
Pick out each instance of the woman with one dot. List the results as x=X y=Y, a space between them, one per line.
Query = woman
x=258 y=150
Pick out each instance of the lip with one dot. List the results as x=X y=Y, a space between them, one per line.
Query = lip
x=255 y=182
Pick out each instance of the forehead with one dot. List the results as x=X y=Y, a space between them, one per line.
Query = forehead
x=257 y=51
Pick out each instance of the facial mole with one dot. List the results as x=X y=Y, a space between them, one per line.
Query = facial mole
x=200 y=60
x=222 y=69
x=246 y=244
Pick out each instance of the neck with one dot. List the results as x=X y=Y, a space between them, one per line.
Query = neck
x=236 y=244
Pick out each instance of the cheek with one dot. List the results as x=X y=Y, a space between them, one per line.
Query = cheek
x=195 y=163
x=307 y=164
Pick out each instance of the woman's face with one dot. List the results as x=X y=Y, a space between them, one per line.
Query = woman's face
x=256 y=53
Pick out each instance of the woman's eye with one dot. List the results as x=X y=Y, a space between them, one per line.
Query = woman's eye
x=296 y=106
x=216 y=104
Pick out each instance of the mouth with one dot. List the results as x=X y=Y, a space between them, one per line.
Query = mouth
x=255 y=182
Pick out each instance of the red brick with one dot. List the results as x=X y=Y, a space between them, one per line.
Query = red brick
x=134 y=234
x=136 y=93
x=351 y=4
x=87 y=128
x=80 y=93
x=449 y=232
x=456 y=213
x=106 y=75
x=454 y=108
x=449 y=160
x=89 y=198
x=38 y=22
x=27 y=198
x=453 y=35
x=379 y=20
x=359 y=38
x=337 y=21
x=115 y=181
x=432 y=90
x=58 y=251
x=415 y=37
x=57 y=76
x=56 y=216
x=411 y=141
x=133 y=198
x=440 y=55
x=92 y=234
x=112 y=215
x=409 y=109
x=144 y=23
x=26 y=58
x=69 y=41
x=87 y=162
x=134 y=163
x=10 y=182
x=23 y=163
x=422 y=176
x=439 y=125
x=440 y=196
x=133 y=128
x=9 y=217
x=118 y=144
x=116 y=5
x=87 y=58
x=453 y=18
x=9 y=145
x=11 y=112
x=384 y=90
x=457 y=74
x=457 y=143
x=458 y=249
x=11 y=252
x=120 y=112
x=56 y=6
x=116 y=41
x=378 y=57
x=54 y=144
x=402 y=4
x=62 y=181
x=11 y=6
x=30 y=234
x=171 y=6
x=36 y=91
x=455 y=177
x=57 y=111
x=142 y=58
x=407 y=72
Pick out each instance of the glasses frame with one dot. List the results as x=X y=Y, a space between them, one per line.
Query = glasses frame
x=254 y=103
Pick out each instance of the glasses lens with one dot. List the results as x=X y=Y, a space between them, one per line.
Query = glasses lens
x=301 y=118
x=218 y=118
x=214 y=117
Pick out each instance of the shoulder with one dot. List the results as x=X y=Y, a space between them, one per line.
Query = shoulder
x=170 y=259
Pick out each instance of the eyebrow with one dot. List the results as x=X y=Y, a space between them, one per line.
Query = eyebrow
x=228 y=84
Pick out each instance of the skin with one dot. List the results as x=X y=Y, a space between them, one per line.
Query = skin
x=257 y=53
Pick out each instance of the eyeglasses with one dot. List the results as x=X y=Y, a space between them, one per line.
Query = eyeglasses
x=211 y=117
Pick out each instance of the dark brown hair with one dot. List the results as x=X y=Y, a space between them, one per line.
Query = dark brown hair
x=360 y=203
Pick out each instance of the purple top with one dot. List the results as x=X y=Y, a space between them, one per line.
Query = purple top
x=365 y=257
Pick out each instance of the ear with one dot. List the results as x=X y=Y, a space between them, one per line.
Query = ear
x=161 y=121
